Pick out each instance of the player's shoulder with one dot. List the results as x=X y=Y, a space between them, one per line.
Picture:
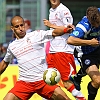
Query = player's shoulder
x=85 y=19
x=85 y=22
x=63 y=7
x=84 y=25
x=12 y=41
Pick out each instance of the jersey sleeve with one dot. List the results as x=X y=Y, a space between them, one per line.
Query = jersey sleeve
x=81 y=29
x=8 y=56
x=66 y=17
x=44 y=36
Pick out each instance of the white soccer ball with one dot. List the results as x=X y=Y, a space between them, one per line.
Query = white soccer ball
x=51 y=76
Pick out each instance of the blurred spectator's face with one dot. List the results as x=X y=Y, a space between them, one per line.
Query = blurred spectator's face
x=1 y=47
x=27 y=27
x=4 y=49
x=27 y=24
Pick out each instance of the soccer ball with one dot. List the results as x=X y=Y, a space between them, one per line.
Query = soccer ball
x=51 y=76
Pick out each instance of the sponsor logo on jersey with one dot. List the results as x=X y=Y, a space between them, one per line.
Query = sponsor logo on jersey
x=95 y=33
x=87 y=61
x=76 y=33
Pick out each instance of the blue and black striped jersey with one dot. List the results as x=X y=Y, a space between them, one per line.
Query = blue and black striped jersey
x=84 y=30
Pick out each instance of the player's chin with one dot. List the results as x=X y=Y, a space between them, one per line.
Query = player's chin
x=22 y=35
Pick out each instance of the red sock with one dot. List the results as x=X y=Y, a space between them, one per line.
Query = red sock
x=71 y=88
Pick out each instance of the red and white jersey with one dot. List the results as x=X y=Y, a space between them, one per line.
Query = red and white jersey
x=60 y=16
x=30 y=54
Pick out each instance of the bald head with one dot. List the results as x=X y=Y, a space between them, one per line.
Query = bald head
x=18 y=26
x=15 y=19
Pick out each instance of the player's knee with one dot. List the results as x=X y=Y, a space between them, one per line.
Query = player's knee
x=59 y=95
x=96 y=81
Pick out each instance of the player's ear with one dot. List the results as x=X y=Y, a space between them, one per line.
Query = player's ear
x=12 y=28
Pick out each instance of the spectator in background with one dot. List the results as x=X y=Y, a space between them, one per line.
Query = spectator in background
x=27 y=25
x=3 y=50
x=0 y=48
x=0 y=51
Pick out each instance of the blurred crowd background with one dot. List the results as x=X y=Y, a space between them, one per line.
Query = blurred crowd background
x=35 y=11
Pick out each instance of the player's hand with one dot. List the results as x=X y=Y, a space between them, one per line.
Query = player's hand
x=47 y=23
x=70 y=28
x=94 y=42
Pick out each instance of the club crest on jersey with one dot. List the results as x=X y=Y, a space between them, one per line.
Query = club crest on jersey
x=28 y=40
x=76 y=33
x=56 y=16
x=87 y=61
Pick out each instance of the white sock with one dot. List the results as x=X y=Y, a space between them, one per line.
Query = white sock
x=77 y=93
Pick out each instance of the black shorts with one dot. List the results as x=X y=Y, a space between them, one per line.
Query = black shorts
x=92 y=58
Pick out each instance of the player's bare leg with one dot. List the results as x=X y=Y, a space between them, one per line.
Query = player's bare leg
x=11 y=96
x=59 y=95
x=94 y=85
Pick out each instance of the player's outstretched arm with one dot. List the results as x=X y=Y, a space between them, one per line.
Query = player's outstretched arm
x=60 y=31
x=50 y=25
x=82 y=42
x=3 y=66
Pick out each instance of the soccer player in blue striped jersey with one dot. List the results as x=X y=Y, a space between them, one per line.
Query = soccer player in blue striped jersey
x=87 y=36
